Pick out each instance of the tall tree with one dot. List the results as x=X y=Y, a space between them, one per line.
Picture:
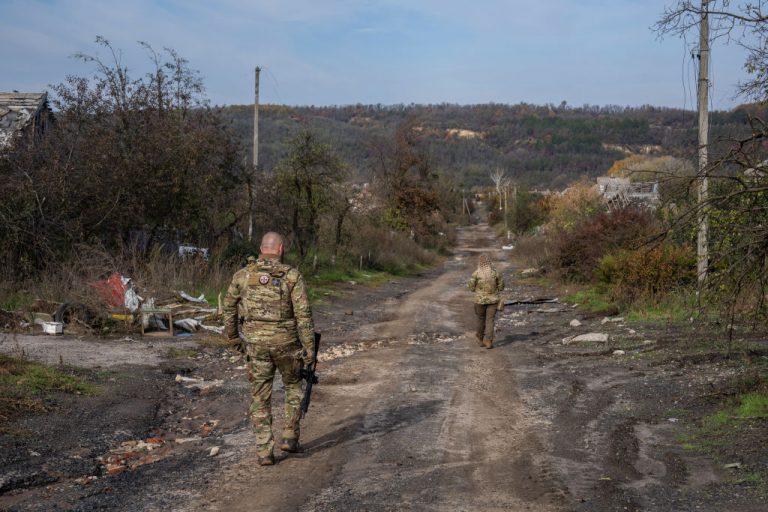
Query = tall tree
x=306 y=178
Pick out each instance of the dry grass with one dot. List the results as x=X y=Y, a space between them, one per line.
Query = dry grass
x=532 y=251
x=156 y=274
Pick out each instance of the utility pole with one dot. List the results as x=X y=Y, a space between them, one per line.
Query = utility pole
x=256 y=122
x=703 y=97
x=251 y=201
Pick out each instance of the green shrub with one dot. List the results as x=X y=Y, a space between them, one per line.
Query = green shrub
x=647 y=274
x=577 y=251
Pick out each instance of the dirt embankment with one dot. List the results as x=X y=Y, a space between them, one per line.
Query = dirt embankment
x=410 y=414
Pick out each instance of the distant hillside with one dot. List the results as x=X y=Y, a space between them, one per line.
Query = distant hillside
x=542 y=146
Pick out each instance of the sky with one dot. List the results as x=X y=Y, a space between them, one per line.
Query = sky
x=339 y=52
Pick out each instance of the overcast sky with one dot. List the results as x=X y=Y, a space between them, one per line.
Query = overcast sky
x=324 y=52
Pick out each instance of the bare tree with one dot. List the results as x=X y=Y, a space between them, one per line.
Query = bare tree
x=497 y=177
x=745 y=24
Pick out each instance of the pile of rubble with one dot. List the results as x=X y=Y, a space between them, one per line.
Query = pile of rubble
x=116 y=300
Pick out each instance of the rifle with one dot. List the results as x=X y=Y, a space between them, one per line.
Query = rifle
x=308 y=374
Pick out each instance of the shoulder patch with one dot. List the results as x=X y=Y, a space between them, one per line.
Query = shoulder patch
x=264 y=279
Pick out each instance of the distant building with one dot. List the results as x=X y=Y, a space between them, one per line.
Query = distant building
x=23 y=114
x=620 y=192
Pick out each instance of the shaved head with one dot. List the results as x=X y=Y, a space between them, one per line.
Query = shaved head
x=272 y=244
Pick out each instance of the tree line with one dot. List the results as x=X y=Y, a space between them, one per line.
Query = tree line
x=542 y=146
x=136 y=165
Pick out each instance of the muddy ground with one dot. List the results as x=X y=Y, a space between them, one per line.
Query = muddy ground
x=410 y=414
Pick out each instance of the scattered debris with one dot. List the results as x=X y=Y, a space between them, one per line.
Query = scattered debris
x=41 y=318
x=649 y=342
x=188 y=313
x=208 y=427
x=118 y=291
x=530 y=271
x=507 y=247
x=134 y=453
x=199 y=384
x=213 y=328
x=53 y=328
x=733 y=465
x=185 y=440
x=85 y=480
x=345 y=350
x=189 y=298
x=187 y=324
x=614 y=319
x=191 y=251
x=575 y=323
x=214 y=451
x=619 y=352
x=9 y=320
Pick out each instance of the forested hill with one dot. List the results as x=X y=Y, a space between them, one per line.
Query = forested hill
x=542 y=146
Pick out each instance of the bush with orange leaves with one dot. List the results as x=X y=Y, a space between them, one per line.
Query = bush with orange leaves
x=574 y=206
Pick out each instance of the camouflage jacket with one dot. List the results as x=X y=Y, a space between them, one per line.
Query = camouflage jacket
x=486 y=290
x=267 y=301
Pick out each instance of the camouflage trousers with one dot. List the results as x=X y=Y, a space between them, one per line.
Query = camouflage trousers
x=486 y=315
x=261 y=373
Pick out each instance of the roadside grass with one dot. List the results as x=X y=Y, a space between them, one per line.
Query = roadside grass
x=181 y=353
x=594 y=301
x=730 y=434
x=213 y=341
x=324 y=284
x=677 y=412
x=671 y=309
x=24 y=384
x=36 y=379
x=14 y=301
x=674 y=307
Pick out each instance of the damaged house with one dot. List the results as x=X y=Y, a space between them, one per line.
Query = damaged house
x=23 y=115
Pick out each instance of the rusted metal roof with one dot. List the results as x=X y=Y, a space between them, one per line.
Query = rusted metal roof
x=17 y=110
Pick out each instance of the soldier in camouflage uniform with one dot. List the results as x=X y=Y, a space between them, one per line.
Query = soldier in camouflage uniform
x=487 y=284
x=267 y=315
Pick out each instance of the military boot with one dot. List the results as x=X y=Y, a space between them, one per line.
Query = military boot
x=267 y=460
x=291 y=445
x=488 y=343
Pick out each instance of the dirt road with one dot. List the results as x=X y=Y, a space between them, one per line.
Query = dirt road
x=426 y=420
x=410 y=414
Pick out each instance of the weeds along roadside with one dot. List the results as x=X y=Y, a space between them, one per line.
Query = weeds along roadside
x=610 y=264
x=25 y=386
x=372 y=257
